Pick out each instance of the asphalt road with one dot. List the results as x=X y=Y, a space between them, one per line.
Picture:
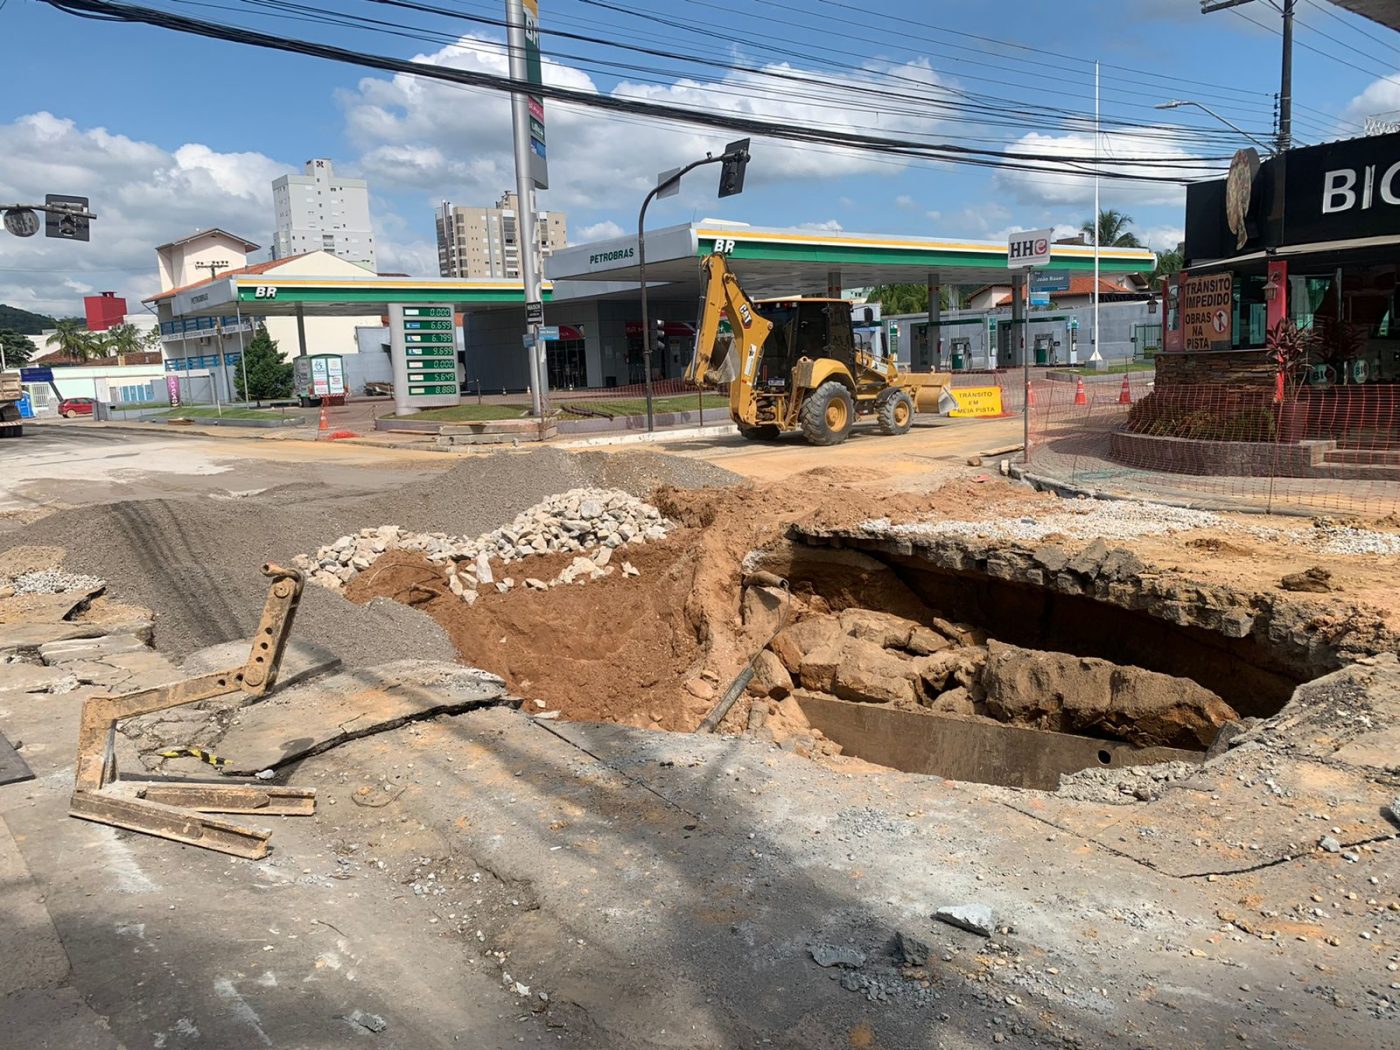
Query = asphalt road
x=56 y=466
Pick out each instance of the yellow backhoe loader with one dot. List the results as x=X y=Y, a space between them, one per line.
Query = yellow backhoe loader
x=795 y=364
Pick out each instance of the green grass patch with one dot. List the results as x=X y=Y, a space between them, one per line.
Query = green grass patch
x=637 y=406
x=1117 y=368
x=468 y=413
x=209 y=412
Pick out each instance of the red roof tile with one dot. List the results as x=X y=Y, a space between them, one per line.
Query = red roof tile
x=254 y=268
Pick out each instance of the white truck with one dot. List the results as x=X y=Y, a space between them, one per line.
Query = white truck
x=11 y=391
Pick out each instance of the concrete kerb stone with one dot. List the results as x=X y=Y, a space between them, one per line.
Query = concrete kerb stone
x=653 y=437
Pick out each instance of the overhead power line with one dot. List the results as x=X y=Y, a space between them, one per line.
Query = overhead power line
x=108 y=10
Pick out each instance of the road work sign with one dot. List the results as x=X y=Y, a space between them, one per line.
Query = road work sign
x=1208 y=311
x=977 y=402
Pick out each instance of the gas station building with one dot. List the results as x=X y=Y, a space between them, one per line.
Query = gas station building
x=591 y=296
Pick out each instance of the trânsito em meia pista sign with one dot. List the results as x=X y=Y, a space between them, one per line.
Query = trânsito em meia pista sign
x=1208 y=311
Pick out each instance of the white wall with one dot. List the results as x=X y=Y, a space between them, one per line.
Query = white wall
x=179 y=264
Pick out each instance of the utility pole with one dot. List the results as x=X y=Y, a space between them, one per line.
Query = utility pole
x=214 y=268
x=1284 y=135
x=523 y=44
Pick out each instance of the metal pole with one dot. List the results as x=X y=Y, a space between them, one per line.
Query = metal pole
x=525 y=200
x=1098 y=226
x=1285 y=91
x=1027 y=280
x=242 y=353
x=646 y=321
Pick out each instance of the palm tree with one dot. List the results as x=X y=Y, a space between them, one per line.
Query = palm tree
x=123 y=339
x=1169 y=262
x=1112 y=230
x=73 y=340
x=908 y=298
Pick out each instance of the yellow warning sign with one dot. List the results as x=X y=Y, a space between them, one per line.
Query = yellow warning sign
x=977 y=401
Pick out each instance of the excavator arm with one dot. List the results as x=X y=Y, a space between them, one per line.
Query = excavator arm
x=733 y=361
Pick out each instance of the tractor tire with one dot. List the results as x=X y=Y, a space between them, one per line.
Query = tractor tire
x=764 y=432
x=896 y=413
x=827 y=414
x=11 y=430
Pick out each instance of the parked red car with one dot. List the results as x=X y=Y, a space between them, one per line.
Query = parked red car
x=72 y=407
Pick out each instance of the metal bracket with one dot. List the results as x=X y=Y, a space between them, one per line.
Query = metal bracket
x=175 y=811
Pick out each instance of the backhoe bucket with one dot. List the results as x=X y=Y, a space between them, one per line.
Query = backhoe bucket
x=929 y=391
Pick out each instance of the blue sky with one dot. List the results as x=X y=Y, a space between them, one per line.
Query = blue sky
x=169 y=133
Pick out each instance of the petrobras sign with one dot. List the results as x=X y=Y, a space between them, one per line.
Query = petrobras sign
x=1027 y=248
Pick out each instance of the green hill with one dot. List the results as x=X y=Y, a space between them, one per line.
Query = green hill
x=22 y=321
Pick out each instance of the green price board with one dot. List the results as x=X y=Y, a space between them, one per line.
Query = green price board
x=428 y=351
x=410 y=338
x=428 y=311
x=432 y=391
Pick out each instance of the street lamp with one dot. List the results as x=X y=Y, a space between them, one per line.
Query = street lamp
x=735 y=159
x=1177 y=103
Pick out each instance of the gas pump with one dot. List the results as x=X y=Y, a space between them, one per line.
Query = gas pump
x=1073 y=325
x=1042 y=348
x=962 y=354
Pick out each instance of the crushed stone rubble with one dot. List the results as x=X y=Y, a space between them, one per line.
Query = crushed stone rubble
x=590 y=522
x=1129 y=519
x=51 y=581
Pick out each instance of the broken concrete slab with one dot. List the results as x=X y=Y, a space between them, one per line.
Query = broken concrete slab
x=43 y=608
x=13 y=769
x=30 y=678
x=123 y=672
x=300 y=660
x=314 y=716
x=836 y=955
x=974 y=918
x=75 y=649
x=27 y=637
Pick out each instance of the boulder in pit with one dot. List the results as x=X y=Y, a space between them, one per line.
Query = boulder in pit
x=1093 y=697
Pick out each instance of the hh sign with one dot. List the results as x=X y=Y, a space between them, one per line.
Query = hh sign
x=1208 y=307
x=1027 y=248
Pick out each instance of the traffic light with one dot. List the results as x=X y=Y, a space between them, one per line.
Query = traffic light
x=731 y=172
x=66 y=227
x=660 y=344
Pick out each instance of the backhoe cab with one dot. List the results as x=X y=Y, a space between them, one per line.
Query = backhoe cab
x=798 y=364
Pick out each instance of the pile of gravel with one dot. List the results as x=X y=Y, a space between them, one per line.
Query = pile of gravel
x=52 y=581
x=1089 y=519
x=575 y=521
x=195 y=562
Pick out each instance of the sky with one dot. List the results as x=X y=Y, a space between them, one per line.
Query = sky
x=168 y=133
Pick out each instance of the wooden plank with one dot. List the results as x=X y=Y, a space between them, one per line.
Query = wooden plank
x=167 y=822
x=273 y=800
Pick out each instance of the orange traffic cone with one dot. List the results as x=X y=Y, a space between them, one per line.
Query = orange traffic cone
x=1030 y=396
x=1079 y=397
x=325 y=422
x=1125 y=394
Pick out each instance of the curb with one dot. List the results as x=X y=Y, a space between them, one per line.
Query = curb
x=652 y=437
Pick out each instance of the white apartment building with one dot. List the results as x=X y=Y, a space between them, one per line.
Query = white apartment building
x=484 y=242
x=320 y=211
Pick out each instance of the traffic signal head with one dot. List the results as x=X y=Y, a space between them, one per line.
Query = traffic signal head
x=660 y=342
x=731 y=173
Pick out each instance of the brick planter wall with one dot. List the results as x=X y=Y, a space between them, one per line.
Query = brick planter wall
x=1239 y=458
x=1239 y=368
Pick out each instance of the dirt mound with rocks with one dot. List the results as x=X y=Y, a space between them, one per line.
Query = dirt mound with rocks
x=196 y=562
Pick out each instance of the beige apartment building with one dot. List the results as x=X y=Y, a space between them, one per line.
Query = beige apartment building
x=485 y=242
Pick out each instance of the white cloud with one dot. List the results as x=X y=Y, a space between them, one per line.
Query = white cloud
x=826 y=226
x=1054 y=184
x=1162 y=238
x=906 y=202
x=598 y=231
x=454 y=142
x=1380 y=99
x=933 y=216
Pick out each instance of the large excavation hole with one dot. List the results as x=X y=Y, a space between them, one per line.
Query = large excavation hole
x=975 y=677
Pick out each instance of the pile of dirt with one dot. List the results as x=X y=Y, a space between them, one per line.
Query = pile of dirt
x=634 y=650
x=196 y=562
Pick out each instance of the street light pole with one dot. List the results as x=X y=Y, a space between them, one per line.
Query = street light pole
x=1177 y=103
x=736 y=154
x=531 y=279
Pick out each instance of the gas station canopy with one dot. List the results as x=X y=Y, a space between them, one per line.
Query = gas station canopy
x=785 y=261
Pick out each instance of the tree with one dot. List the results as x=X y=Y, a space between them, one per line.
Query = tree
x=908 y=298
x=24 y=322
x=123 y=339
x=268 y=375
x=1112 y=231
x=17 y=349
x=1168 y=263
x=73 y=340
